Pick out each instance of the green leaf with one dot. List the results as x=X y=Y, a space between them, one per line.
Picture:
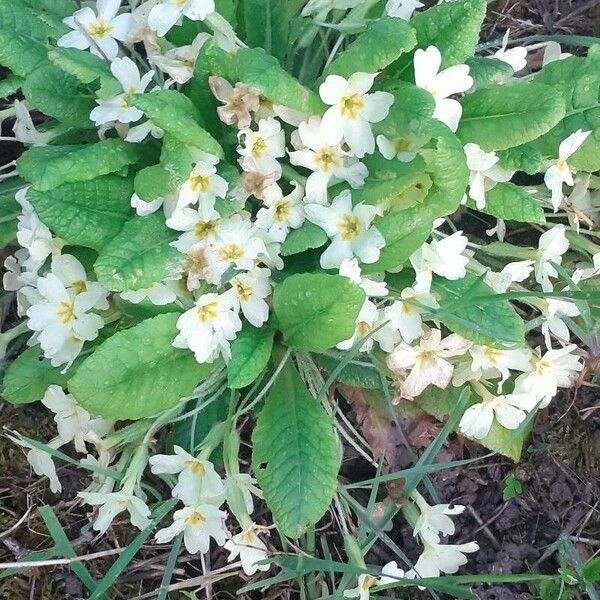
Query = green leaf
x=504 y=116
x=356 y=373
x=137 y=373
x=28 y=377
x=487 y=323
x=316 y=311
x=57 y=8
x=139 y=255
x=591 y=570
x=23 y=38
x=512 y=203
x=487 y=71
x=305 y=238
x=10 y=85
x=378 y=46
x=404 y=231
x=9 y=211
x=268 y=25
x=577 y=81
x=521 y=158
x=87 y=68
x=262 y=72
x=176 y=115
x=158 y=181
x=47 y=167
x=85 y=213
x=250 y=353
x=295 y=455
x=453 y=27
x=512 y=488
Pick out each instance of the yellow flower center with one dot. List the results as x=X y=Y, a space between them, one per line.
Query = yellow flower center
x=196 y=261
x=363 y=328
x=351 y=106
x=401 y=144
x=231 y=252
x=99 y=28
x=406 y=308
x=542 y=366
x=425 y=356
x=207 y=313
x=244 y=291
x=181 y=2
x=247 y=537
x=203 y=228
x=79 y=286
x=492 y=354
x=195 y=518
x=66 y=312
x=282 y=210
x=368 y=582
x=258 y=147
x=325 y=159
x=199 y=183
x=349 y=227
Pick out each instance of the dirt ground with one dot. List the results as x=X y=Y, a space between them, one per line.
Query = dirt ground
x=559 y=473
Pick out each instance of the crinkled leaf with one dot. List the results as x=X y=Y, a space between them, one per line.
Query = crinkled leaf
x=9 y=211
x=47 y=167
x=10 y=85
x=316 y=310
x=23 y=38
x=487 y=322
x=27 y=378
x=512 y=203
x=577 y=81
x=504 y=116
x=453 y=27
x=176 y=114
x=87 y=68
x=378 y=46
x=357 y=373
x=521 y=158
x=139 y=255
x=58 y=94
x=295 y=454
x=137 y=373
x=250 y=353
x=487 y=71
x=404 y=231
x=85 y=213
x=306 y=237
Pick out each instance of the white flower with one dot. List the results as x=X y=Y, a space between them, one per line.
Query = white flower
x=441 y=85
x=365 y=583
x=427 y=361
x=442 y=558
x=198 y=482
x=401 y=148
x=143 y=208
x=434 y=520
x=32 y=234
x=329 y=164
x=24 y=128
x=62 y=317
x=139 y=133
x=159 y=294
x=373 y=289
x=390 y=573
x=560 y=172
x=262 y=148
x=239 y=101
x=554 y=312
x=98 y=32
x=113 y=503
x=72 y=275
x=209 y=327
x=485 y=173
x=249 y=292
x=203 y=187
x=197 y=225
x=281 y=213
x=198 y=524
x=515 y=57
x=41 y=461
x=443 y=257
x=552 y=245
x=179 y=63
x=402 y=9
x=236 y=244
x=514 y=272
x=352 y=110
x=405 y=316
x=366 y=319
x=510 y=411
x=350 y=230
x=244 y=483
x=250 y=548
x=321 y=8
x=21 y=275
x=117 y=109
x=555 y=369
x=168 y=13
x=270 y=255
x=553 y=52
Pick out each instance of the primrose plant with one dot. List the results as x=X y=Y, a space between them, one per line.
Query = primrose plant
x=242 y=227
